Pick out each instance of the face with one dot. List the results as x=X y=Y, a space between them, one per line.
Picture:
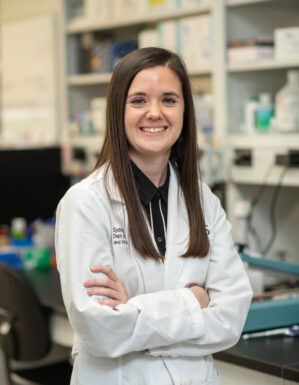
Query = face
x=154 y=113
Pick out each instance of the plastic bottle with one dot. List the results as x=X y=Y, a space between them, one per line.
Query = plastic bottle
x=264 y=113
x=18 y=228
x=287 y=104
x=249 y=114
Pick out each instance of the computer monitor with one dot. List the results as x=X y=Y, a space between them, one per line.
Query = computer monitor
x=31 y=183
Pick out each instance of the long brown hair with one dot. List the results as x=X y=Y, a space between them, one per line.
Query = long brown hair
x=183 y=156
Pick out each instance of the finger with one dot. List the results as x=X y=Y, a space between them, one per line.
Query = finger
x=109 y=302
x=101 y=282
x=112 y=294
x=106 y=270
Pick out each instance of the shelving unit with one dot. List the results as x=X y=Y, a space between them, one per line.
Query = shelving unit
x=80 y=88
x=88 y=79
x=93 y=142
x=246 y=19
x=232 y=84
x=104 y=78
x=263 y=65
x=248 y=79
x=263 y=140
x=87 y=26
x=236 y=3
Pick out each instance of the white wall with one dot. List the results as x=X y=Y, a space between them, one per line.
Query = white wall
x=18 y=9
x=13 y=10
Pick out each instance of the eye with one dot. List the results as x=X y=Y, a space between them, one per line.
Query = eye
x=168 y=100
x=138 y=102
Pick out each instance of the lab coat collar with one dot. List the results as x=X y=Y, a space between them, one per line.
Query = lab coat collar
x=113 y=189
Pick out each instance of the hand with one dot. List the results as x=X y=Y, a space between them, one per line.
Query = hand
x=201 y=295
x=111 y=287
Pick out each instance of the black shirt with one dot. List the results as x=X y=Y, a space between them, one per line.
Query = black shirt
x=155 y=202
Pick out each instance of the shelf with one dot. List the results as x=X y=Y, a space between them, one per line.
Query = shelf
x=89 y=79
x=262 y=65
x=87 y=141
x=83 y=25
x=236 y=3
x=264 y=148
x=27 y=146
x=290 y=140
x=201 y=71
x=104 y=78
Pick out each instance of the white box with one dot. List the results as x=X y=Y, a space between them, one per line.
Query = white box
x=250 y=53
x=98 y=114
x=148 y=38
x=167 y=32
x=98 y=9
x=128 y=9
x=195 y=41
x=286 y=42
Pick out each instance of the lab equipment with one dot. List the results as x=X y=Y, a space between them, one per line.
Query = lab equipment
x=273 y=311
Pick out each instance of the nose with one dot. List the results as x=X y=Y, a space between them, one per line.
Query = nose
x=154 y=111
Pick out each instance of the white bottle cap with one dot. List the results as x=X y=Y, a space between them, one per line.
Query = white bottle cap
x=18 y=225
x=265 y=99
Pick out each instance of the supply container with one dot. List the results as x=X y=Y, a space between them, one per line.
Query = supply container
x=250 y=109
x=287 y=104
x=37 y=258
x=264 y=113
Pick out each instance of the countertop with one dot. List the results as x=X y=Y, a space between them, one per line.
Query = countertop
x=275 y=355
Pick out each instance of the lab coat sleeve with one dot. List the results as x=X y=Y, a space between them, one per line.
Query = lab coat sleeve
x=83 y=238
x=229 y=290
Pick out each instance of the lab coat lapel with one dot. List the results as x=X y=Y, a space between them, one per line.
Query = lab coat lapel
x=177 y=232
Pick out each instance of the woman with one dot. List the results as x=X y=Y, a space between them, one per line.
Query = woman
x=151 y=281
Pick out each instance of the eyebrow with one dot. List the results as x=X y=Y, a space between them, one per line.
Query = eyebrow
x=164 y=94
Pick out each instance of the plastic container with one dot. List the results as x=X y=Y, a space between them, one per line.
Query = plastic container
x=12 y=259
x=264 y=113
x=287 y=104
x=37 y=258
x=18 y=228
x=251 y=107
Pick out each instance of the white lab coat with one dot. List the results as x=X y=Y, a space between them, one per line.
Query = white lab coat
x=161 y=336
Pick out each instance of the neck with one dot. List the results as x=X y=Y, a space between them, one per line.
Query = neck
x=155 y=169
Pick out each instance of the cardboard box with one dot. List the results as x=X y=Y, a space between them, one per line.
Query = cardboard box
x=286 y=43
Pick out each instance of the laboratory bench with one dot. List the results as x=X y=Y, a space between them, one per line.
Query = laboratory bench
x=276 y=358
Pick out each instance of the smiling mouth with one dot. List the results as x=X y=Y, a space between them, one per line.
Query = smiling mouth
x=153 y=129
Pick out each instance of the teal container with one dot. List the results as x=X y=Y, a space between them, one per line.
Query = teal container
x=37 y=258
x=263 y=118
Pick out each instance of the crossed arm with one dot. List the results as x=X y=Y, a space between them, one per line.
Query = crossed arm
x=113 y=288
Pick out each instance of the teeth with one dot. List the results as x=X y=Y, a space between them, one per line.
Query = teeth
x=153 y=129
